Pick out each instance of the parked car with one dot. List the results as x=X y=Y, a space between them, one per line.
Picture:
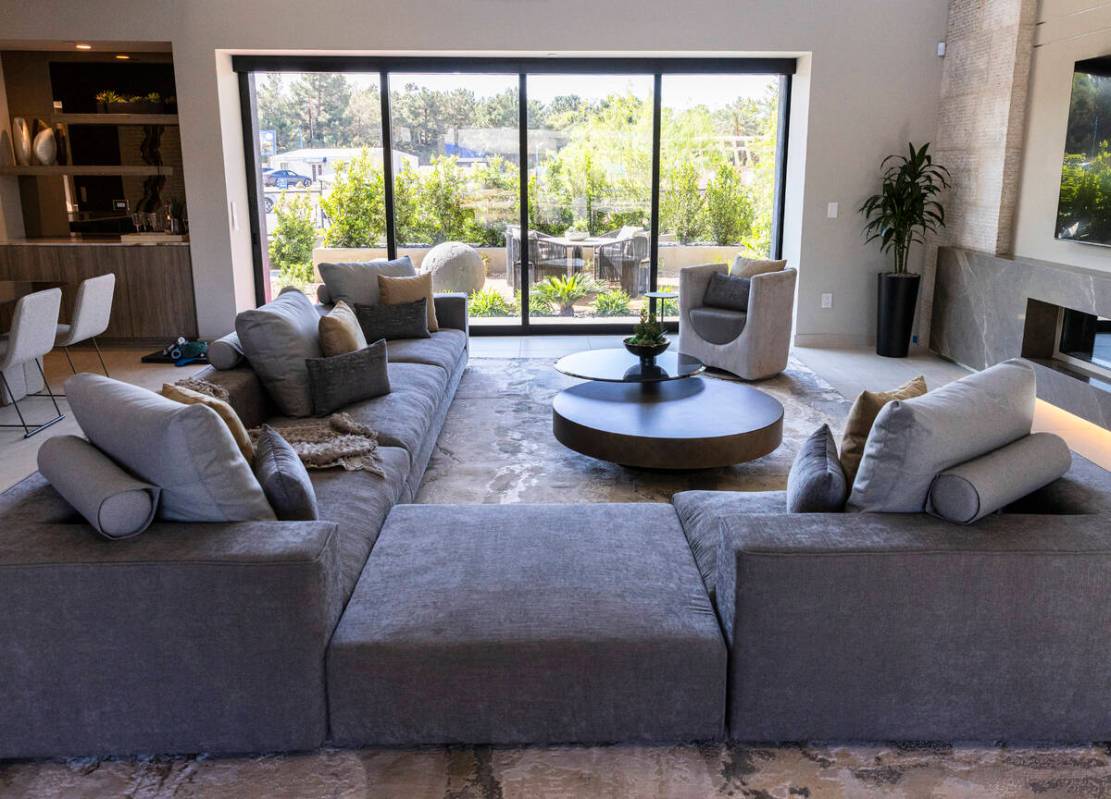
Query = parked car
x=284 y=178
x=268 y=203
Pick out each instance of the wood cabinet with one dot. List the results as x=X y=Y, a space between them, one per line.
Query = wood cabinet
x=154 y=284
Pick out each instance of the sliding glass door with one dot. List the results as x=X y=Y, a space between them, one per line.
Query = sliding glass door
x=633 y=169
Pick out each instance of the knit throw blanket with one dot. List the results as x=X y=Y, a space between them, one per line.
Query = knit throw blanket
x=336 y=441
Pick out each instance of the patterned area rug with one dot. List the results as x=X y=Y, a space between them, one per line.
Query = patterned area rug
x=497 y=446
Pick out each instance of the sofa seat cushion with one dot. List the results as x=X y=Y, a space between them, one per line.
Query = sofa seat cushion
x=523 y=624
x=442 y=349
x=403 y=417
x=717 y=325
x=701 y=512
x=358 y=502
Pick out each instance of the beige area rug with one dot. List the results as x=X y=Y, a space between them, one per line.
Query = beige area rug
x=497 y=446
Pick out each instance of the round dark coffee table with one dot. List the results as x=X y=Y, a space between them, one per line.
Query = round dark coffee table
x=661 y=416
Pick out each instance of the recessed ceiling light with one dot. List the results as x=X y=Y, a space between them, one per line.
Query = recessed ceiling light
x=122 y=56
x=83 y=46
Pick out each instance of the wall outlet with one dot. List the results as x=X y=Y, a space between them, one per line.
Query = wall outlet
x=941 y=49
x=827 y=300
x=832 y=210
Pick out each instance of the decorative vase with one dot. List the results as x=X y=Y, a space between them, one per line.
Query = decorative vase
x=45 y=147
x=21 y=141
x=895 y=303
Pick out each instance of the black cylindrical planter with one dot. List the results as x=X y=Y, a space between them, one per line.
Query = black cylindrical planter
x=898 y=296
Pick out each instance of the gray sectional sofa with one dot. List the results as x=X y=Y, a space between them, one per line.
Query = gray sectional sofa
x=386 y=623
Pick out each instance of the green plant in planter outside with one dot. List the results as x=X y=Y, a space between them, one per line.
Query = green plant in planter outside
x=108 y=96
x=565 y=291
x=648 y=332
x=907 y=206
x=612 y=303
x=537 y=304
x=490 y=302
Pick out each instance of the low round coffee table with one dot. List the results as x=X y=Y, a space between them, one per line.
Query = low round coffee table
x=662 y=416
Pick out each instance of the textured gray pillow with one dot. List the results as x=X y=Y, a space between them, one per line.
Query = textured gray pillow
x=914 y=440
x=357 y=283
x=114 y=503
x=971 y=491
x=816 y=482
x=400 y=320
x=342 y=379
x=277 y=338
x=284 y=478
x=225 y=352
x=185 y=450
x=727 y=291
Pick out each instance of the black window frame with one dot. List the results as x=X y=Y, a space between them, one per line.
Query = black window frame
x=248 y=65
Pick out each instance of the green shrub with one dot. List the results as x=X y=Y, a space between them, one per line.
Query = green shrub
x=565 y=291
x=293 y=239
x=682 y=210
x=356 y=206
x=612 y=303
x=489 y=302
x=729 y=211
x=538 y=305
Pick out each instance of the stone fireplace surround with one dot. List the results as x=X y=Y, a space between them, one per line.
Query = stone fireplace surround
x=989 y=308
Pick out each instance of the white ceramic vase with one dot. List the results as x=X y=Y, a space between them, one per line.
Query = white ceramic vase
x=46 y=147
x=21 y=141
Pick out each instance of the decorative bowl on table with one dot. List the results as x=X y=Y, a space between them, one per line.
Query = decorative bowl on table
x=647 y=352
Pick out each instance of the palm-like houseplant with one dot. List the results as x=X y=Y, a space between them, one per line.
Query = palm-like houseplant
x=906 y=209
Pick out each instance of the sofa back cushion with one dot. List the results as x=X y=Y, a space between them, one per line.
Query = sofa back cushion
x=914 y=440
x=185 y=450
x=277 y=338
x=863 y=415
x=356 y=283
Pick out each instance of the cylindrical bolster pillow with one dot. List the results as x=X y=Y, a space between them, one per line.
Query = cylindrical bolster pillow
x=225 y=352
x=983 y=485
x=114 y=502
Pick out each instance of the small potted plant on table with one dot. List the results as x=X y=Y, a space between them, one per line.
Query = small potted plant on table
x=648 y=339
x=901 y=214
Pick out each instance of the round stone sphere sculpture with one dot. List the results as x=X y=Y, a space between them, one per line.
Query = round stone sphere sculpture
x=455 y=266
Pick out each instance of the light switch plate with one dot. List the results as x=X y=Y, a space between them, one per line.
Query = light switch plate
x=827 y=300
x=832 y=210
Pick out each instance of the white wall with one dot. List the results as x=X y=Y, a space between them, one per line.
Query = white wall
x=869 y=82
x=1068 y=31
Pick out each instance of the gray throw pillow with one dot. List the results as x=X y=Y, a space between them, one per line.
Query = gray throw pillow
x=976 y=488
x=400 y=320
x=357 y=283
x=727 y=291
x=816 y=482
x=185 y=450
x=277 y=338
x=914 y=440
x=342 y=379
x=114 y=503
x=284 y=478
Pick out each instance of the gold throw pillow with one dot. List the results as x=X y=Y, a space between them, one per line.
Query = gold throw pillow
x=394 y=290
x=863 y=415
x=188 y=396
x=340 y=332
x=751 y=267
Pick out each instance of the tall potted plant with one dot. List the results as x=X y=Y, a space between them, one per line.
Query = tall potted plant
x=906 y=208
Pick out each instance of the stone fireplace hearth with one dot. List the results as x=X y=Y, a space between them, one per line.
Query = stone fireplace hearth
x=989 y=308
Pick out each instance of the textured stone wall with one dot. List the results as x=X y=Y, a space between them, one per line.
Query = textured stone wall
x=981 y=118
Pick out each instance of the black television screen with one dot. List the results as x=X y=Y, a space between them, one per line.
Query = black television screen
x=1084 y=205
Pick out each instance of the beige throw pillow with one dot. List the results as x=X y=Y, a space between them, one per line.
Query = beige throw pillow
x=394 y=290
x=187 y=396
x=751 y=267
x=340 y=332
x=863 y=415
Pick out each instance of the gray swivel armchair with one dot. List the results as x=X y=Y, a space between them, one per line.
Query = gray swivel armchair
x=752 y=345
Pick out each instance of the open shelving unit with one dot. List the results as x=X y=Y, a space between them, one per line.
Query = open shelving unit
x=116 y=119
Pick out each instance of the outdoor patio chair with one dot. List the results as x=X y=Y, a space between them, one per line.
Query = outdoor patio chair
x=625 y=261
